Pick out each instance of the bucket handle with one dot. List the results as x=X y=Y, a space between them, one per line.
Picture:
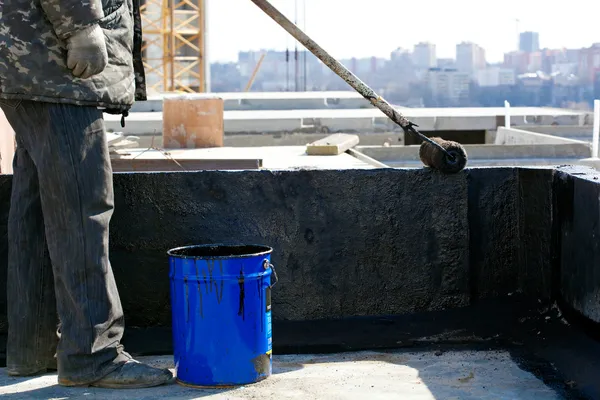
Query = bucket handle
x=266 y=265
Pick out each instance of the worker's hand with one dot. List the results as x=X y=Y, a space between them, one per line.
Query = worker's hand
x=86 y=52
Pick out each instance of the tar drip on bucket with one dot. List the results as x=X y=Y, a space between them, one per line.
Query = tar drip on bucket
x=221 y=307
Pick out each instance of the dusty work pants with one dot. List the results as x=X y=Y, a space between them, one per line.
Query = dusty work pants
x=61 y=205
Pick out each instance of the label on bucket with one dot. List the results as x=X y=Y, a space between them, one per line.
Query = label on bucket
x=268 y=319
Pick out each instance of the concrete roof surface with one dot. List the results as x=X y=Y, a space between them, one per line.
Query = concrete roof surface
x=274 y=157
x=364 y=375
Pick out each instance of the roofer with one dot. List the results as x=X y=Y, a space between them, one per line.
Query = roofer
x=62 y=63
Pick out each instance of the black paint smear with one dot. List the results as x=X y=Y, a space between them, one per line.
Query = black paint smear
x=211 y=265
x=213 y=281
x=220 y=293
x=187 y=298
x=205 y=281
x=199 y=289
x=242 y=293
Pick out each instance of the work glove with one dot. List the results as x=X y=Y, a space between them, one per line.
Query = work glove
x=86 y=52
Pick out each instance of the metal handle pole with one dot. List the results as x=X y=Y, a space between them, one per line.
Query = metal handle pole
x=343 y=72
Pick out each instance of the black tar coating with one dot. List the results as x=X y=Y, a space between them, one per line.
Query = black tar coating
x=434 y=158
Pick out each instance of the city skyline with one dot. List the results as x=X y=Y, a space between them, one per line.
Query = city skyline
x=328 y=22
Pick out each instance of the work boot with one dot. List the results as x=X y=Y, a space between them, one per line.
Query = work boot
x=131 y=375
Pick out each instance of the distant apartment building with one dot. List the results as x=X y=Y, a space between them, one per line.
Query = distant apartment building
x=448 y=84
x=470 y=57
x=517 y=60
x=424 y=55
x=401 y=67
x=401 y=55
x=534 y=62
x=273 y=63
x=589 y=62
x=552 y=57
x=529 y=42
x=572 y=55
x=564 y=68
x=496 y=76
x=279 y=70
x=533 y=79
x=364 y=66
x=446 y=63
x=559 y=78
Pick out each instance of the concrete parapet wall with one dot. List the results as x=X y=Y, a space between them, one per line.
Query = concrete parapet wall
x=577 y=238
x=347 y=243
x=355 y=242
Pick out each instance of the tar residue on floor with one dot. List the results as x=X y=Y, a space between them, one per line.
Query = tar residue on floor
x=219 y=251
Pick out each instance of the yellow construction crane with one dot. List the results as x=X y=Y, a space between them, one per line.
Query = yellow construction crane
x=174 y=47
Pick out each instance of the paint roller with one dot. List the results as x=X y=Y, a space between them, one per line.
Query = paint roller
x=442 y=155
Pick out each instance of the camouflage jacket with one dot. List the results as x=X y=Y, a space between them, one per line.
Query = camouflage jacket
x=33 y=54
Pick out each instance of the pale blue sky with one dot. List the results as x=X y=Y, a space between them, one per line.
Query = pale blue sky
x=362 y=28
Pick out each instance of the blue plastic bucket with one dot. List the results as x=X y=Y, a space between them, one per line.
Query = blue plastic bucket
x=221 y=307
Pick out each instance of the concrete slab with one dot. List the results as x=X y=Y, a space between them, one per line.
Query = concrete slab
x=365 y=375
x=554 y=152
x=284 y=139
x=274 y=157
x=591 y=162
x=494 y=163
